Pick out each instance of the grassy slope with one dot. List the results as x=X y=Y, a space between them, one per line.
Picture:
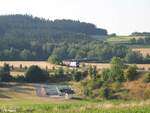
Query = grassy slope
x=22 y=98
x=122 y=39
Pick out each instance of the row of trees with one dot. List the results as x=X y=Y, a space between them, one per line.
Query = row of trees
x=140 y=34
x=35 y=74
x=140 y=41
x=127 y=57
x=91 y=50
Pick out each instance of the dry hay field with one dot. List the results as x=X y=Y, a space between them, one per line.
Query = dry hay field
x=16 y=64
x=143 y=51
x=101 y=66
x=44 y=64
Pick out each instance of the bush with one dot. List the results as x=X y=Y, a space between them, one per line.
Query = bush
x=95 y=83
x=60 y=76
x=54 y=60
x=130 y=73
x=36 y=74
x=87 y=91
x=146 y=94
x=5 y=73
x=4 y=77
x=105 y=92
x=78 y=75
x=106 y=75
x=147 y=77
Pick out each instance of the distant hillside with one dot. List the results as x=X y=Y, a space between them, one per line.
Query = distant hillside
x=24 y=26
x=131 y=41
x=24 y=37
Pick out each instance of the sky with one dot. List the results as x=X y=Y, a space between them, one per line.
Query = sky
x=117 y=16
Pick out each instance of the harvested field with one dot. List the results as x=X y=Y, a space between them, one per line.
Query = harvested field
x=44 y=65
x=101 y=66
x=16 y=64
x=143 y=51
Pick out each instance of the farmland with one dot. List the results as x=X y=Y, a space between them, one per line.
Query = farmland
x=143 y=51
x=101 y=66
x=44 y=64
x=17 y=64
x=122 y=39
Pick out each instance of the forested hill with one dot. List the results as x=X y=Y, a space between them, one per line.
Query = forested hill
x=25 y=37
x=27 y=26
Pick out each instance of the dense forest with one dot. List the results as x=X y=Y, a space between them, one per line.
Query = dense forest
x=24 y=37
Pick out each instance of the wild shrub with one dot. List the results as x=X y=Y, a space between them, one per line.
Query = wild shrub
x=105 y=92
x=5 y=73
x=36 y=74
x=130 y=73
x=147 y=77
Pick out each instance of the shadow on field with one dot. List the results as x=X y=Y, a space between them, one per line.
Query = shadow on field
x=77 y=98
x=22 y=90
x=9 y=85
x=16 y=87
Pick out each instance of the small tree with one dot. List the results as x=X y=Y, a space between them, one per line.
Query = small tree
x=117 y=67
x=20 y=66
x=106 y=75
x=36 y=74
x=54 y=59
x=77 y=76
x=59 y=73
x=5 y=73
x=92 y=71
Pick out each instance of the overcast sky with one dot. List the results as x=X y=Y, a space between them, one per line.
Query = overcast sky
x=117 y=16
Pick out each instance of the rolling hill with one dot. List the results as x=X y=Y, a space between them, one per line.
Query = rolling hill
x=24 y=37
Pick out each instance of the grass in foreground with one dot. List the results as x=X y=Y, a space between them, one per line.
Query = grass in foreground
x=74 y=106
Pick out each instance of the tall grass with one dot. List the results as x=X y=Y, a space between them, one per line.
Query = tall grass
x=80 y=107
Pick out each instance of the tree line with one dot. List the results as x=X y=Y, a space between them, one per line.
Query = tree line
x=141 y=41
